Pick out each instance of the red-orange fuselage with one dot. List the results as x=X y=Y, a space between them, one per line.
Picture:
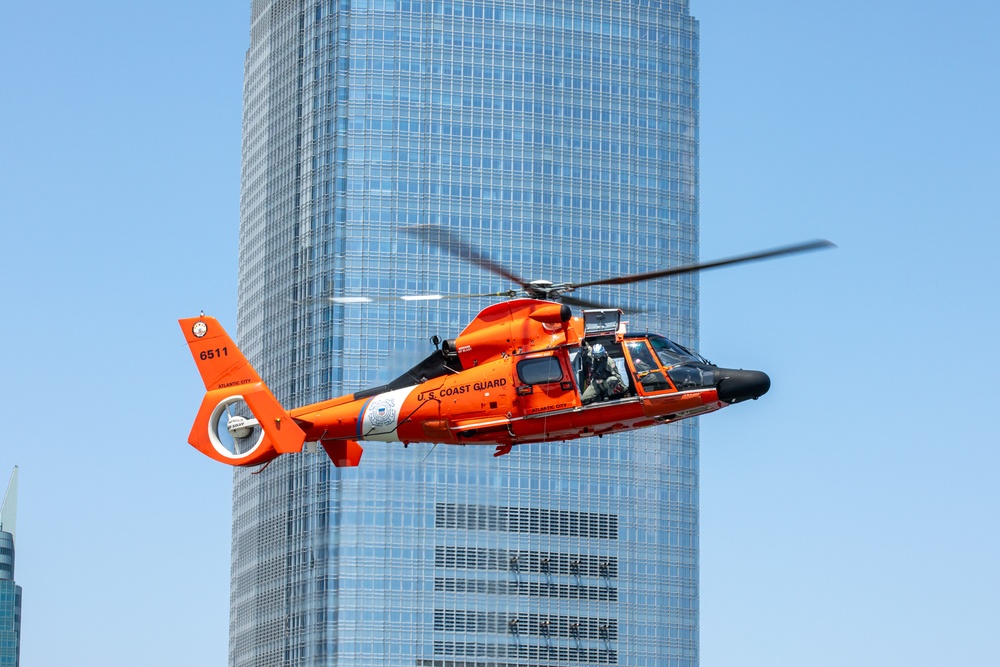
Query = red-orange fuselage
x=517 y=374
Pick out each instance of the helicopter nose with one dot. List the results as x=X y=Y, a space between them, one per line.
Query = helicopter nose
x=739 y=385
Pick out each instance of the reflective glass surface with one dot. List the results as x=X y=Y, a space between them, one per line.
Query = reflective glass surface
x=561 y=138
x=10 y=604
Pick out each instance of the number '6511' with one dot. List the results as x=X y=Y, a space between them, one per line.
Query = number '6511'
x=212 y=354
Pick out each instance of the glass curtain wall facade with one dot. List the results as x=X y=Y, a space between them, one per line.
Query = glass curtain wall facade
x=10 y=604
x=10 y=592
x=561 y=137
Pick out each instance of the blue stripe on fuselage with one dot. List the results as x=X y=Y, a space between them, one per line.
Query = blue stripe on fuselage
x=361 y=415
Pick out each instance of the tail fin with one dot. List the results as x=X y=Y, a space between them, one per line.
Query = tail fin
x=240 y=422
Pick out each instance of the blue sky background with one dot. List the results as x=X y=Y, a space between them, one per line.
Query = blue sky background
x=848 y=517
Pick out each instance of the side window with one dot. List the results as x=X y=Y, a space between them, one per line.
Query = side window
x=646 y=369
x=541 y=370
x=642 y=358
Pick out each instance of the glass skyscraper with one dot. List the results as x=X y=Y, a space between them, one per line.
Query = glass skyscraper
x=560 y=136
x=10 y=592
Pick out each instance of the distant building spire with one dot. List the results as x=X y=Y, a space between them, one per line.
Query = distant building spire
x=8 y=511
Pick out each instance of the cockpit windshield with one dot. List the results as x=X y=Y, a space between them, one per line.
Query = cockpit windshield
x=672 y=354
x=686 y=369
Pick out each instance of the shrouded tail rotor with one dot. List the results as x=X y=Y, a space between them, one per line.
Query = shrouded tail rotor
x=233 y=429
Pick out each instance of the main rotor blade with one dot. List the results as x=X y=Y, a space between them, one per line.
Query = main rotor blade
x=583 y=303
x=450 y=242
x=350 y=300
x=694 y=268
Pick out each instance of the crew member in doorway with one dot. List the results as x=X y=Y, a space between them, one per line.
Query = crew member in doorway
x=603 y=379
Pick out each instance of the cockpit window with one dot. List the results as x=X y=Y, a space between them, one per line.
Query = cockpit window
x=693 y=375
x=671 y=354
x=647 y=370
x=641 y=357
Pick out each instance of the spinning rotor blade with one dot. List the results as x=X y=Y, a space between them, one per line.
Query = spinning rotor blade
x=583 y=303
x=450 y=242
x=693 y=268
x=347 y=300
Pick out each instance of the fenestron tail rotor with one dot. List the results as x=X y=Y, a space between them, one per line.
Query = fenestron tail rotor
x=234 y=427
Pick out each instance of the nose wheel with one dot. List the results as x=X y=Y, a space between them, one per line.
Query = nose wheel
x=233 y=429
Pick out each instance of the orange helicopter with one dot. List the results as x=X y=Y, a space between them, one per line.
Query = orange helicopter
x=524 y=370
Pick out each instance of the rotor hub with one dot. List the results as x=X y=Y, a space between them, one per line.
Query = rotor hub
x=239 y=427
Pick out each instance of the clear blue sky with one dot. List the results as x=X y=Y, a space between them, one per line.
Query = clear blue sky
x=848 y=517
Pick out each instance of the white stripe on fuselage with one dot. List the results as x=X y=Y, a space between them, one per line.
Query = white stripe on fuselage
x=382 y=414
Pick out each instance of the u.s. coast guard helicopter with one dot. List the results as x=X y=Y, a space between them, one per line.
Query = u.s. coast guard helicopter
x=524 y=370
